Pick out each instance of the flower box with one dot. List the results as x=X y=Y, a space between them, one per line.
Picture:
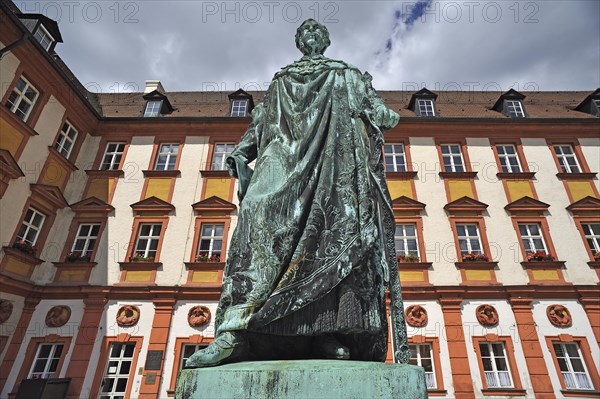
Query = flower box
x=409 y=258
x=475 y=257
x=204 y=257
x=539 y=256
x=141 y=258
x=25 y=247
x=78 y=258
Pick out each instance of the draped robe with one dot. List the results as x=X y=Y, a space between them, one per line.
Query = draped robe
x=311 y=248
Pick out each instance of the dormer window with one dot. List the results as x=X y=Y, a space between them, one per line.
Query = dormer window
x=511 y=104
x=423 y=103
x=153 y=108
x=239 y=108
x=591 y=104
x=514 y=109
x=44 y=37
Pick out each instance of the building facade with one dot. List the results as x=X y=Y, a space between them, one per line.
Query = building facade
x=116 y=213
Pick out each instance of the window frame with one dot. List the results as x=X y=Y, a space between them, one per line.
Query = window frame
x=565 y=167
x=48 y=363
x=212 y=238
x=119 y=165
x=520 y=113
x=243 y=102
x=530 y=237
x=63 y=136
x=425 y=103
x=468 y=238
x=45 y=34
x=506 y=157
x=509 y=351
x=588 y=361
x=21 y=96
x=139 y=220
x=169 y=156
x=463 y=158
x=481 y=228
x=196 y=339
x=394 y=155
x=149 y=239
x=150 y=110
x=577 y=152
x=200 y=220
x=437 y=367
x=419 y=363
x=214 y=152
x=545 y=233
x=579 y=222
x=87 y=238
x=39 y=228
x=406 y=238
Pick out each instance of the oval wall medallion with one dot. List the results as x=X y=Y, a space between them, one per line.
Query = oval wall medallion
x=487 y=315
x=198 y=316
x=6 y=308
x=58 y=316
x=416 y=316
x=559 y=315
x=128 y=315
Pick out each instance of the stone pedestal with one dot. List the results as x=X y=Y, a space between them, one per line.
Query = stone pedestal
x=295 y=379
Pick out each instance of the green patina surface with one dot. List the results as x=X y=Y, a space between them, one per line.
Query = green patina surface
x=297 y=379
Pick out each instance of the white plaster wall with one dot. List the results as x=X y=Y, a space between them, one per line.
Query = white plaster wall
x=435 y=328
x=32 y=161
x=109 y=327
x=8 y=327
x=437 y=234
x=179 y=236
x=8 y=67
x=581 y=328
x=37 y=328
x=127 y=192
x=181 y=329
x=591 y=152
x=507 y=326
x=565 y=236
x=502 y=238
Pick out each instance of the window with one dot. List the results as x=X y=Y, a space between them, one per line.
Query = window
x=425 y=107
x=167 y=157
x=239 y=107
x=514 y=109
x=148 y=237
x=452 y=157
x=153 y=108
x=531 y=236
x=406 y=240
x=596 y=102
x=509 y=159
x=211 y=240
x=572 y=366
x=189 y=350
x=495 y=365
x=65 y=140
x=31 y=226
x=46 y=361
x=22 y=99
x=220 y=153
x=112 y=156
x=85 y=240
x=42 y=36
x=592 y=236
x=468 y=239
x=421 y=355
x=395 y=158
x=118 y=370
x=567 y=159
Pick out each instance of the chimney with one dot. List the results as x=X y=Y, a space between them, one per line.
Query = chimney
x=152 y=85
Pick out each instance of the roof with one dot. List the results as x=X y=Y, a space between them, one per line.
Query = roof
x=449 y=104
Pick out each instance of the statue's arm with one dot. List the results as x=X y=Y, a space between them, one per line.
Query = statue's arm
x=382 y=116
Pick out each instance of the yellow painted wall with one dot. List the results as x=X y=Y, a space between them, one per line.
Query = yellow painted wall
x=10 y=138
x=398 y=188
x=205 y=277
x=17 y=267
x=459 y=189
x=55 y=174
x=551 y=275
x=139 y=276
x=218 y=187
x=518 y=189
x=478 y=275
x=159 y=188
x=100 y=188
x=580 y=189
x=72 y=275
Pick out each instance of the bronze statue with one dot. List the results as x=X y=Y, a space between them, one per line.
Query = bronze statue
x=313 y=249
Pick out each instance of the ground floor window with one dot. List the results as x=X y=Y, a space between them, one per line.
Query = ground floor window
x=117 y=372
x=46 y=361
x=421 y=355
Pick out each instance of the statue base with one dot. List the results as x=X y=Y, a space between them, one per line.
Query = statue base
x=295 y=379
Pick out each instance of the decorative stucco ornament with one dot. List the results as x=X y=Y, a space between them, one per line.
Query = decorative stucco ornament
x=6 y=308
x=416 y=316
x=199 y=316
x=313 y=250
x=559 y=315
x=58 y=316
x=487 y=315
x=128 y=315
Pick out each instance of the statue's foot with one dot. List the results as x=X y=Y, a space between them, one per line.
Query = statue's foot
x=330 y=348
x=228 y=347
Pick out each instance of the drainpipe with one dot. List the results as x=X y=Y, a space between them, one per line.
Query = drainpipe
x=14 y=44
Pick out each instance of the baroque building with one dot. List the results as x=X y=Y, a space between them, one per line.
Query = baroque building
x=116 y=212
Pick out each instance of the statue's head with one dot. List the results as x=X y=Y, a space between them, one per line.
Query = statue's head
x=312 y=38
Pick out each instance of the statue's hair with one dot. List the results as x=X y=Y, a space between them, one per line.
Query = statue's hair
x=323 y=28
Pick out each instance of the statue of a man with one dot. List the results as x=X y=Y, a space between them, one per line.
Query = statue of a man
x=309 y=258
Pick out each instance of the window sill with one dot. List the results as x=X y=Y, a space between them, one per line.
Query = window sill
x=205 y=265
x=104 y=173
x=414 y=265
x=409 y=175
x=503 y=392
x=437 y=392
x=594 y=264
x=7 y=114
x=9 y=166
x=476 y=265
x=457 y=175
x=516 y=176
x=582 y=393
x=576 y=176
x=30 y=259
x=161 y=173
x=67 y=265
x=144 y=266
x=61 y=158
x=543 y=264
x=224 y=174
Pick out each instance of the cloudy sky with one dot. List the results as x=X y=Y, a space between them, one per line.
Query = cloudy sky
x=443 y=45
